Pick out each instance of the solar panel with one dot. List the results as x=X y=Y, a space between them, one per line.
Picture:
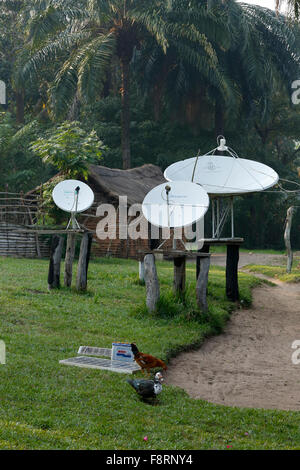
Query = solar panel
x=104 y=364
x=92 y=351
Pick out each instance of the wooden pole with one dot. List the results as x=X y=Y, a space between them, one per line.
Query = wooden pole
x=232 y=217
x=2 y=352
x=152 y=283
x=142 y=271
x=37 y=245
x=83 y=262
x=179 y=274
x=70 y=251
x=6 y=202
x=213 y=217
x=232 y=260
x=217 y=234
x=201 y=285
x=287 y=238
x=204 y=249
x=55 y=259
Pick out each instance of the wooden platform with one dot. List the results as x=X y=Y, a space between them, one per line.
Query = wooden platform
x=187 y=254
x=51 y=231
x=223 y=241
x=172 y=254
x=202 y=258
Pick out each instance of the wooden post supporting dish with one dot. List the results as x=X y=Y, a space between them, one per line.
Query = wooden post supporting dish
x=55 y=260
x=83 y=262
x=70 y=251
x=179 y=274
x=202 y=280
x=151 y=281
x=232 y=259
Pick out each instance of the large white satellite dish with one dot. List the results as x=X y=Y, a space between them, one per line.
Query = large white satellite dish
x=175 y=204
x=223 y=175
x=73 y=196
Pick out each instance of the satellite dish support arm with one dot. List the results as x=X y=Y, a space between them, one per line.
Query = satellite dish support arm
x=73 y=221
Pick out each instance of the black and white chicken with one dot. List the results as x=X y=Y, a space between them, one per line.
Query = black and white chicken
x=147 y=388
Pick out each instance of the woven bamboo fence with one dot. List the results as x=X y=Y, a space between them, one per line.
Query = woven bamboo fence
x=18 y=215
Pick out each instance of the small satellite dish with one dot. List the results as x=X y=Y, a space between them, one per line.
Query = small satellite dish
x=73 y=196
x=223 y=175
x=175 y=204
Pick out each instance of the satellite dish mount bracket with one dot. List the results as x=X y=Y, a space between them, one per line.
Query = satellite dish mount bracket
x=73 y=222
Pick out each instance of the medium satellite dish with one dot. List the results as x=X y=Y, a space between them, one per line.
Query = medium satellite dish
x=223 y=175
x=175 y=204
x=73 y=196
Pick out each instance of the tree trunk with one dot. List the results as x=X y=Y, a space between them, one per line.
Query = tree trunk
x=287 y=238
x=20 y=107
x=74 y=111
x=219 y=118
x=125 y=103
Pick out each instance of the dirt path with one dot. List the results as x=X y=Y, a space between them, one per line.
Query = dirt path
x=219 y=259
x=250 y=364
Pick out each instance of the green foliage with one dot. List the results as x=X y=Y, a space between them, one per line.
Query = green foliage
x=19 y=168
x=192 y=64
x=294 y=7
x=160 y=142
x=53 y=215
x=69 y=149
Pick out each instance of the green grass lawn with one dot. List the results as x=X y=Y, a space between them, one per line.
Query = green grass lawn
x=45 y=405
x=277 y=272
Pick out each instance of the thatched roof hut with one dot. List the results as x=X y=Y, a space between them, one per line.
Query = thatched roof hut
x=108 y=185
x=20 y=212
x=134 y=183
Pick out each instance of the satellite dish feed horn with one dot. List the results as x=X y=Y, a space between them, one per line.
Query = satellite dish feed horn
x=222 y=144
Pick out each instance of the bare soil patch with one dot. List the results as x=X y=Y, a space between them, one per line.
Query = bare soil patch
x=250 y=364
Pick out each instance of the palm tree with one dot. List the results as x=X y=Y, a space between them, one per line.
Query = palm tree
x=15 y=46
x=250 y=68
x=13 y=17
x=90 y=38
x=293 y=6
x=264 y=57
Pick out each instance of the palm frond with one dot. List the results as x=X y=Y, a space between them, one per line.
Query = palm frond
x=93 y=68
x=84 y=70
